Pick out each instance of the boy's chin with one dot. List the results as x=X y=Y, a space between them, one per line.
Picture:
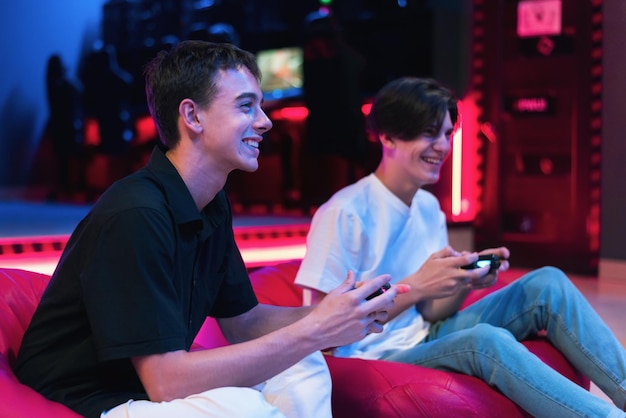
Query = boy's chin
x=432 y=180
x=249 y=168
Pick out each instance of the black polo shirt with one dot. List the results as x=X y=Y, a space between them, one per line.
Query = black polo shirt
x=138 y=276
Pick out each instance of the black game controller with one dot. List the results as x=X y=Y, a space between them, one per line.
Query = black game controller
x=379 y=292
x=491 y=260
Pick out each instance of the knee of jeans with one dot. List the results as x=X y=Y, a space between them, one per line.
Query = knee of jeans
x=489 y=338
x=546 y=279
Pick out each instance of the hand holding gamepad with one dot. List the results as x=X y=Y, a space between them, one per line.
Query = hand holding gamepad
x=491 y=260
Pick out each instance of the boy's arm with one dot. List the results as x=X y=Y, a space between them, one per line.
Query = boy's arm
x=437 y=289
x=343 y=317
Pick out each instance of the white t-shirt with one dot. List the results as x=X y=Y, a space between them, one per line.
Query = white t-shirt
x=369 y=230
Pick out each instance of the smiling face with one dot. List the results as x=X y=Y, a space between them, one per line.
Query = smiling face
x=413 y=118
x=420 y=159
x=234 y=122
x=408 y=165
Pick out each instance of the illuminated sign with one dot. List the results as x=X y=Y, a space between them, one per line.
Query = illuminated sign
x=538 y=18
x=530 y=105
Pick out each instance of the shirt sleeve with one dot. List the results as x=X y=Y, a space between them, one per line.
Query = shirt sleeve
x=236 y=294
x=131 y=299
x=334 y=244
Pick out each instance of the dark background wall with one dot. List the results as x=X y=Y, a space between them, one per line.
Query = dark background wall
x=32 y=30
x=394 y=38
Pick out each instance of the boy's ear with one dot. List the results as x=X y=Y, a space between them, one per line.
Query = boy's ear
x=188 y=111
x=386 y=141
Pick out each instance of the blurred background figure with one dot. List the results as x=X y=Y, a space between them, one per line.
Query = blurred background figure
x=65 y=128
x=107 y=99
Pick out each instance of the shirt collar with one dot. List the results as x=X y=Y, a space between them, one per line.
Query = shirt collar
x=179 y=198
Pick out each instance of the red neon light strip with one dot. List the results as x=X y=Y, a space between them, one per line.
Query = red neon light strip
x=255 y=253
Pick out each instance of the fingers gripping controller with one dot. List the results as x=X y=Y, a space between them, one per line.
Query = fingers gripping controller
x=491 y=260
x=379 y=292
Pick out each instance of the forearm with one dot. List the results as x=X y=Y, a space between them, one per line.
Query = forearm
x=433 y=310
x=180 y=374
x=261 y=320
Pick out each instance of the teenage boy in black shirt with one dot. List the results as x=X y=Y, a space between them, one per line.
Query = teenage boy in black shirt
x=156 y=255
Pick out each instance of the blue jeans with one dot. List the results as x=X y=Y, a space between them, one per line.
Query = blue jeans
x=482 y=341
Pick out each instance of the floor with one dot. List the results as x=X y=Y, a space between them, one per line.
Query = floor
x=32 y=235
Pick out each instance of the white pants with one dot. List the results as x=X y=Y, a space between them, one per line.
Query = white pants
x=301 y=391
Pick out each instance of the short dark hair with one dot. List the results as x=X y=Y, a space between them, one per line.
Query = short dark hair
x=187 y=71
x=406 y=107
